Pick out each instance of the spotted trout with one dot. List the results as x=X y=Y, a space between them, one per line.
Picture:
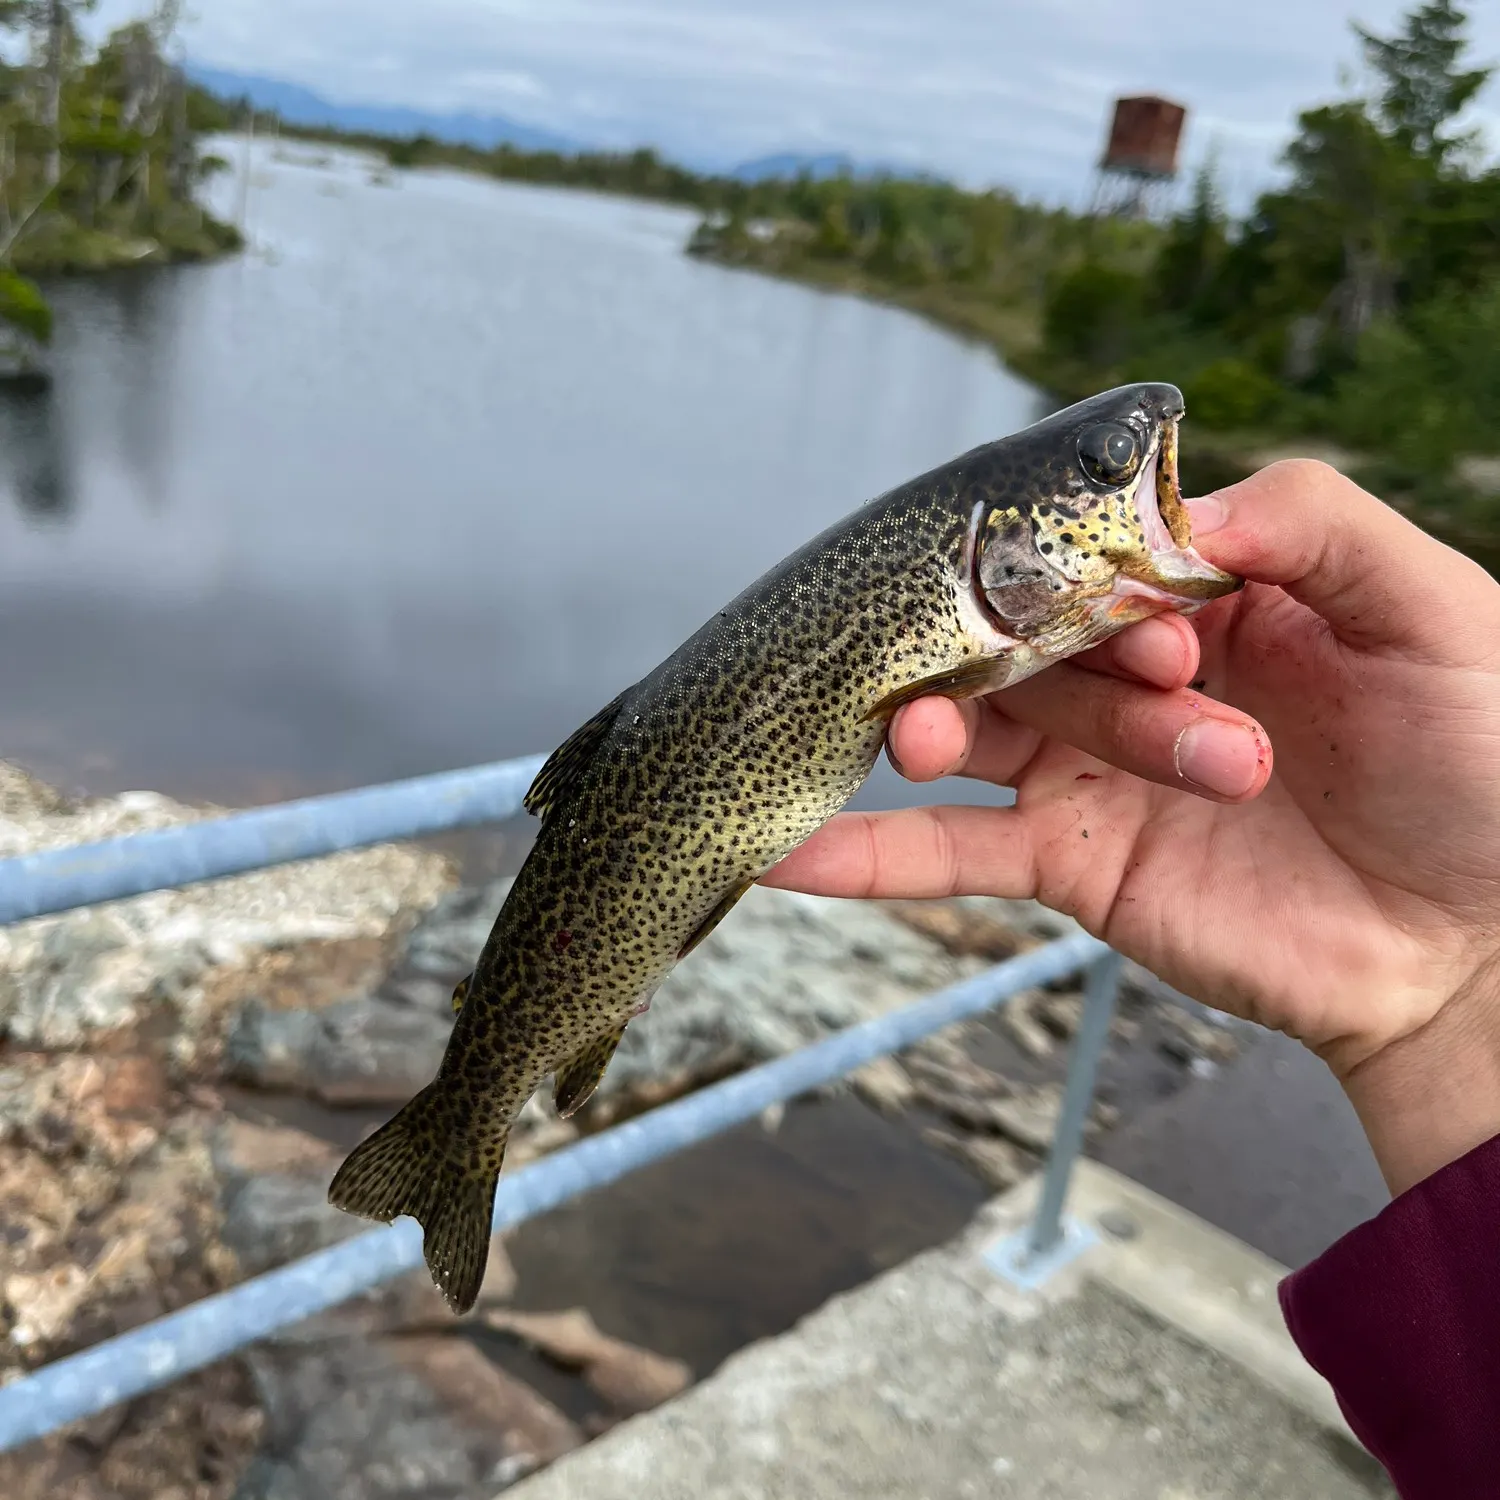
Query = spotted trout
x=661 y=811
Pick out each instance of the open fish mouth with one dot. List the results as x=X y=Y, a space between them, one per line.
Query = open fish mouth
x=1173 y=573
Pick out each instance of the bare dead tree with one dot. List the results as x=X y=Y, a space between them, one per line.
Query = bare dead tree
x=52 y=17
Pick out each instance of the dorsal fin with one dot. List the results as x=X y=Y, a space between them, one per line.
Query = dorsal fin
x=569 y=759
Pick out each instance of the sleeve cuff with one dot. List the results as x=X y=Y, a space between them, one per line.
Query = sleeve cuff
x=1402 y=1318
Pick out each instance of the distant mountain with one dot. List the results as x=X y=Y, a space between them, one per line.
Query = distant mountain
x=300 y=106
x=788 y=164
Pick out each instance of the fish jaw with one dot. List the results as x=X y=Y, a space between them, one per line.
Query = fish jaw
x=1170 y=571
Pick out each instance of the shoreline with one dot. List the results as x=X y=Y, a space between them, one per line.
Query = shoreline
x=1210 y=459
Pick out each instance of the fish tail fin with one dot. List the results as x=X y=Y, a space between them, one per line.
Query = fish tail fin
x=408 y=1167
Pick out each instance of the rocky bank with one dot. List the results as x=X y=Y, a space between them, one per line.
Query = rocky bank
x=154 y=1050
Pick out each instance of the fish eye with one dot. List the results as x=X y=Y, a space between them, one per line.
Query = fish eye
x=1108 y=453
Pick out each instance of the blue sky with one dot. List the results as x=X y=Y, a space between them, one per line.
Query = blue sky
x=985 y=91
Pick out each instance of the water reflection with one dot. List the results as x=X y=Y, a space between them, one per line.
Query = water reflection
x=32 y=468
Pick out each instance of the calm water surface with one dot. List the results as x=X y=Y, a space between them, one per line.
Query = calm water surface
x=424 y=479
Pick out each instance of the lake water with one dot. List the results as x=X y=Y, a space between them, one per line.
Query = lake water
x=425 y=478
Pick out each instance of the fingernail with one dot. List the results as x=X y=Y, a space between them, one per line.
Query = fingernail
x=1218 y=757
x=1207 y=514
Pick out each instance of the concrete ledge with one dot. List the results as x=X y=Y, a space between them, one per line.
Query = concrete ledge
x=1209 y=1286
x=1154 y=1366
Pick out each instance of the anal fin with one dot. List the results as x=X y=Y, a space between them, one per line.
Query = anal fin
x=576 y=1082
x=713 y=919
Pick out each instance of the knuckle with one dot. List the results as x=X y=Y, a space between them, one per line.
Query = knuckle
x=1312 y=474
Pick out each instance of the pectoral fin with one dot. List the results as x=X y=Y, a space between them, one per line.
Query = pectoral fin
x=986 y=675
x=577 y=1080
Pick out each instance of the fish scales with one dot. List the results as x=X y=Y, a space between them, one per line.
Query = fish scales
x=662 y=810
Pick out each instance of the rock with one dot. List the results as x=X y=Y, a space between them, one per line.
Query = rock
x=445 y=944
x=351 y=1419
x=420 y=993
x=885 y=1084
x=940 y=1063
x=1177 y=1047
x=45 y=1304
x=243 y=1150
x=631 y=1379
x=483 y=1397
x=998 y=1164
x=1018 y=1019
x=67 y=978
x=273 y=1219
x=85 y=977
x=24 y=800
x=110 y=1108
x=269 y=1048
x=1189 y=1036
x=977 y=1112
x=360 y=1051
x=782 y=970
x=190 y=1441
x=1060 y=1014
x=1029 y=1118
x=961 y=928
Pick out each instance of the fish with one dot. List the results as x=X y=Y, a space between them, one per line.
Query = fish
x=659 y=813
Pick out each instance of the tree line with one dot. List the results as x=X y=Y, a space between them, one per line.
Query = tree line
x=1359 y=299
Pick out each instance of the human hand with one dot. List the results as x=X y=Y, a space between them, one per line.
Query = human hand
x=1349 y=896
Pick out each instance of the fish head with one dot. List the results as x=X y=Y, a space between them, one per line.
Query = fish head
x=1081 y=528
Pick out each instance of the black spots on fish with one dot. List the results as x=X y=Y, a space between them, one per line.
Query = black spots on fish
x=560 y=940
x=1046 y=549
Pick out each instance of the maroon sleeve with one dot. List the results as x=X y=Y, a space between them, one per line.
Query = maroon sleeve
x=1402 y=1318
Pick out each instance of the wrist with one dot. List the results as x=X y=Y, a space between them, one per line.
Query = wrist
x=1432 y=1096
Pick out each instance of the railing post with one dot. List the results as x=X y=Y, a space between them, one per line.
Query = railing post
x=1067 y=1139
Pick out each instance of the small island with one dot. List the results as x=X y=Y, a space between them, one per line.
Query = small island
x=99 y=160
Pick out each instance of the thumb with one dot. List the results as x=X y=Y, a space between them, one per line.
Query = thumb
x=1377 y=579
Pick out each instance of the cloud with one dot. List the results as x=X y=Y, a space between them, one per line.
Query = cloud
x=1004 y=91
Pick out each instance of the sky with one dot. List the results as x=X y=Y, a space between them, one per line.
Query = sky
x=1007 y=92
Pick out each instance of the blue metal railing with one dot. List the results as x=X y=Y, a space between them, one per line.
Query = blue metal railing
x=162 y=1351
x=36 y=885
